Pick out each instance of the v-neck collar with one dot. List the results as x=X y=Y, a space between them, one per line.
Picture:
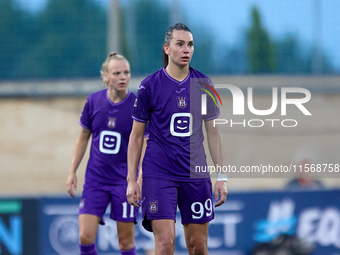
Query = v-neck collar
x=174 y=80
x=112 y=103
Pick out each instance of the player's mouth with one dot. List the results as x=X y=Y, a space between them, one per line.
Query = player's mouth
x=185 y=58
x=122 y=84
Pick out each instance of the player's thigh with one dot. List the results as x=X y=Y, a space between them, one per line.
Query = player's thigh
x=159 y=200
x=121 y=210
x=126 y=234
x=164 y=231
x=95 y=199
x=88 y=226
x=195 y=202
x=196 y=235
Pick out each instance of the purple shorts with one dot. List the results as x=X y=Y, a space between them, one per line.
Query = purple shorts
x=161 y=197
x=97 y=196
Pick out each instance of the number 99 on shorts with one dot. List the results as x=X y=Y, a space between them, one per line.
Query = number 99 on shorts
x=198 y=209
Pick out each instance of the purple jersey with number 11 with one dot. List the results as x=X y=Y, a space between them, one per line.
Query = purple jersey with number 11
x=173 y=109
x=111 y=126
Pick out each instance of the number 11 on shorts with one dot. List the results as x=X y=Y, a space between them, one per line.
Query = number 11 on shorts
x=125 y=205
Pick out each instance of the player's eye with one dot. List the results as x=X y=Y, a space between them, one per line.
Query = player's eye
x=127 y=72
x=116 y=73
x=179 y=44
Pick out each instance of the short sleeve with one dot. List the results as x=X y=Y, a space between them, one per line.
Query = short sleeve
x=213 y=109
x=141 y=110
x=85 y=116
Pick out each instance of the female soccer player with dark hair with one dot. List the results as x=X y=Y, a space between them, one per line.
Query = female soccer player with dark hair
x=170 y=100
x=107 y=116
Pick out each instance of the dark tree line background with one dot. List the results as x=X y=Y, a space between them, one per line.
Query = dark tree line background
x=68 y=40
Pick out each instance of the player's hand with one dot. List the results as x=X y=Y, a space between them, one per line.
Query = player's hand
x=220 y=189
x=71 y=184
x=133 y=193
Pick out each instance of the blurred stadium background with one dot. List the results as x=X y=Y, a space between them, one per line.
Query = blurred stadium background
x=51 y=52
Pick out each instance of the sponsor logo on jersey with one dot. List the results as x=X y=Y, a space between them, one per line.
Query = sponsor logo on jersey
x=113 y=111
x=180 y=90
x=135 y=104
x=181 y=102
x=181 y=124
x=153 y=206
x=109 y=142
x=111 y=123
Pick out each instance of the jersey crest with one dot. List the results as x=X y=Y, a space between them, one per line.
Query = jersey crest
x=153 y=206
x=181 y=102
x=111 y=122
x=82 y=203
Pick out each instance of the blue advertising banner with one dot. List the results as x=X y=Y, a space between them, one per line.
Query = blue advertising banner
x=60 y=230
x=246 y=220
x=249 y=219
x=19 y=222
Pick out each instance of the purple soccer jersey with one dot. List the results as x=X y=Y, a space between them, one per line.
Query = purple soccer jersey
x=111 y=126
x=173 y=109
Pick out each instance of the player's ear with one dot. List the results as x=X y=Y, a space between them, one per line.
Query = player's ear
x=166 y=49
x=106 y=77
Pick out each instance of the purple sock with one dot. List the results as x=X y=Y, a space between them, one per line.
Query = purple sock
x=129 y=252
x=88 y=249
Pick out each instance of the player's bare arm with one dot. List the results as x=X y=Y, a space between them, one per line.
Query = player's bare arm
x=78 y=154
x=140 y=174
x=216 y=150
x=133 y=192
